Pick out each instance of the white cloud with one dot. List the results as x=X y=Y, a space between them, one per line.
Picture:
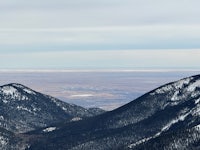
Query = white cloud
x=149 y=36
x=84 y=13
x=64 y=26
x=127 y=24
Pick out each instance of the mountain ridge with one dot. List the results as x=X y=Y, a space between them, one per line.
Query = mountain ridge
x=143 y=119
x=168 y=113
x=19 y=103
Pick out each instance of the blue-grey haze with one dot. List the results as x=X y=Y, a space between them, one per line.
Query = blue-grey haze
x=107 y=90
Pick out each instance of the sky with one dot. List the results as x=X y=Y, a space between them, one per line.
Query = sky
x=100 y=34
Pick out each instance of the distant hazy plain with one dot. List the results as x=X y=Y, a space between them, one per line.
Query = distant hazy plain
x=107 y=90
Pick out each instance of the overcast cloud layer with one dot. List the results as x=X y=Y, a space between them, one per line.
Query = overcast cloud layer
x=60 y=26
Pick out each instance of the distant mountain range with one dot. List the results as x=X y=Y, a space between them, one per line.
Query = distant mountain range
x=166 y=118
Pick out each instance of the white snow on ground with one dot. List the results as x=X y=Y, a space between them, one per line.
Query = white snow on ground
x=59 y=104
x=195 y=93
x=76 y=119
x=180 y=118
x=139 y=142
x=63 y=108
x=165 y=128
x=49 y=129
x=182 y=82
x=18 y=85
x=197 y=127
x=1 y=118
x=177 y=85
x=5 y=101
x=194 y=85
x=189 y=90
x=162 y=90
x=197 y=101
x=175 y=96
x=3 y=141
x=196 y=112
x=24 y=108
x=177 y=91
x=29 y=91
x=9 y=90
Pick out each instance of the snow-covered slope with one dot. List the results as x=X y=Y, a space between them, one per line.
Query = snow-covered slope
x=23 y=109
x=167 y=109
x=181 y=139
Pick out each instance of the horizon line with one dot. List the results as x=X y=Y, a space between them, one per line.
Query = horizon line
x=92 y=70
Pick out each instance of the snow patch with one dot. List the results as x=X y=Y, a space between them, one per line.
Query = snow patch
x=29 y=91
x=197 y=101
x=195 y=93
x=180 y=118
x=49 y=129
x=9 y=90
x=63 y=108
x=197 y=127
x=76 y=119
x=11 y=93
x=196 y=111
x=3 y=141
x=175 y=96
x=18 y=85
x=5 y=101
x=177 y=85
x=139 y=142
x=1 y=118
x=24 y=108
x=58 y=103
x=166 y=127
x=193 y=86
x=182 y=82
x=163 y=89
